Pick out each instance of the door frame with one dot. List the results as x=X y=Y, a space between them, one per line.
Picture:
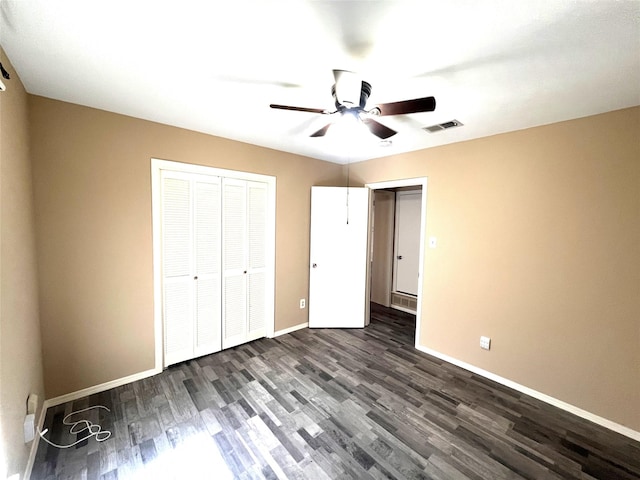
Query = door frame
x=157 y=165
x=411 y=182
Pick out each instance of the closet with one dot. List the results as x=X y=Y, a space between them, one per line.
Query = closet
x=216 y=254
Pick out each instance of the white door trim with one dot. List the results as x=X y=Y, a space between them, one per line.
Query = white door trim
x=409 y=182
x=156 y=166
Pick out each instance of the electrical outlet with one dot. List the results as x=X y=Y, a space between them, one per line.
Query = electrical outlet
x=303 y=303
x=485 y=343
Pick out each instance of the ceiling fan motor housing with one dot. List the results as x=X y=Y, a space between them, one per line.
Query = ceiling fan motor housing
x=365 y=91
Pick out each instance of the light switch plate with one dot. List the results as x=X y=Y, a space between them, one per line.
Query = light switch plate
x=485 y=343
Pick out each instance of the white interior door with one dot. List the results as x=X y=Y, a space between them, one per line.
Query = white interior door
x=407 y=250
x=256 y=260
x=191 y=265
x=206 y=225
x=177 y=272
x=244 y=230
x=234 y=254
x=339 y=257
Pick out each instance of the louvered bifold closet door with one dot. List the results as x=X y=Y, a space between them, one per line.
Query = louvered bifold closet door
x=244 y=223
x=191 y=250
x=256 y=258
x=177 y=289
x=208 y=272
x=234 y=260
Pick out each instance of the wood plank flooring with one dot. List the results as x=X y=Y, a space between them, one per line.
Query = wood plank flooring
x=330 y=404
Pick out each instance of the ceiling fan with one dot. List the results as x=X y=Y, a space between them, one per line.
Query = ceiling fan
x=350 y=94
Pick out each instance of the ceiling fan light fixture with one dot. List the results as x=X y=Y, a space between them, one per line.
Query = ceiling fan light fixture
x=349 y=122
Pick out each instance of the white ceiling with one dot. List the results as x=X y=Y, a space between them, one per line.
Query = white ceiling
x=215 y=67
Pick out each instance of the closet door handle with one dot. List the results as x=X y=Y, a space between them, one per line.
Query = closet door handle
x=195 y=278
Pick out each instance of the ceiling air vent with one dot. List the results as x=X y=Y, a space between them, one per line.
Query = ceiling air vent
x=443 y=126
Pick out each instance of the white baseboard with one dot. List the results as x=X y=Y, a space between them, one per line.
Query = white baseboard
x=52 y=402
x=616 y=427
x=291 y=329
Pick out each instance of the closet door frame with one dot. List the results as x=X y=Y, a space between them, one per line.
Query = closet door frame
x=157 y=165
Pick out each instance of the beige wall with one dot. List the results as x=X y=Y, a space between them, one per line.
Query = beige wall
x=20 y=350
x=538 y=248
x=93 y=203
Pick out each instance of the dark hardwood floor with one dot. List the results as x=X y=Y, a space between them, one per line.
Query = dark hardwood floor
x=316 y=404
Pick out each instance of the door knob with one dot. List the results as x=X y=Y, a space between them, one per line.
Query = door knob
x=399 y=257
x=315 y=265
x=195 y=278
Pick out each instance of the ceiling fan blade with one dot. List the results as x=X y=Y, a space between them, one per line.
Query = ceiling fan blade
x=298 y=109
x=378 y=129
x=322 y=131
x=417 y=105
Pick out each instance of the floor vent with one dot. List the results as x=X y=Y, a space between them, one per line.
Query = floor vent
x=443 y=126
x=404 y=302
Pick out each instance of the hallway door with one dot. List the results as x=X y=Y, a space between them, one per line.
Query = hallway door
x=407 y=241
